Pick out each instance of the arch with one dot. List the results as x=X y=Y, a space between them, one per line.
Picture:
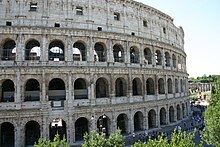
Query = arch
x=181 y=85
x=134 y=55
x=174 y=60
x=32 y=132
x=57 y=90
x=118 y=53
x=137 y=87
x=152 y=119
x=148 y=55
x=32 y=50
x=102 y=88
x=81 y=127
x=178 y=112
x=176 y=86
x=163 y=116
x=122 y=123
x=57 y=126
x=7 y=134
x=32 y=90
x=171 y=114
x=120 y=87
x=161 y=89
x=9 y=50
x=8 y=91
x=80 y=89
x=150 y=86
x=103 y=124
x=82 y=49
x=100 y=52
x=183 y=110
x=56 y=51
x=158 y=57
x=179 y=63
x=138 y=121
x=167 y=59
x=170 y=86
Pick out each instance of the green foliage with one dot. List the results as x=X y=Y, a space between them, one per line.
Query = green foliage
x=98 y=140
x=56 y=142
x=178 y=139
x=205 y=79
x=211 y=134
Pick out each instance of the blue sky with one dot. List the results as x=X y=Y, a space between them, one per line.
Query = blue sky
x=200 y=20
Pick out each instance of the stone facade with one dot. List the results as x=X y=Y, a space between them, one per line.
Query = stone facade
x=75 y=66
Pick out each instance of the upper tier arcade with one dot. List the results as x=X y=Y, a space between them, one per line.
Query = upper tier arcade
x=116 y=16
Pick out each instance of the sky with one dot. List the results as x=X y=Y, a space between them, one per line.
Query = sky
x=200 y=20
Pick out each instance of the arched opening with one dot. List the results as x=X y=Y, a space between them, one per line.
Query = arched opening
x=162 y=116
x=79 y=52
x=178 y=112
x=57 y=126
x=181 y=85
x=152 y=119
x=148 y=56
x=176 y=86
x=138 y=121
x=183 y=110
x=32 y=132
x=103 y=125
x=9 y=50
x=120 y=87
x=150 y=86
x=76 y=54
x=171 y=114
x=57 y=90
x=179 y=63
x=186 y=109
x=8 y=91
x=99 y=53
x=118 y=53
x=81 y=127
x=170 y=86
x=7 y=135
x=32 y=50
x=134 y=55
x=158 y=57
x=32 y=90
x=174 y=61
x=101 y=88
x=122 y=123
x=80 y=89
x=167 y=59
x=137 y=87
x=161 y=89
x=56 y=51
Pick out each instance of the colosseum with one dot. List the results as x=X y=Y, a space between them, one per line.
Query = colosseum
x=79 y=65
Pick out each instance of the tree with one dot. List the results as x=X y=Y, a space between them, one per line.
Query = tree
x=178 y=139
x=98 y=140
x=56 y=142
x=211 y=134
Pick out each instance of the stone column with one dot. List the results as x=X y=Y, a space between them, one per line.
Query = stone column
x=68 y=49
x=44 y=49
x=20 y=48
x=90 y=50
x=43 y=96
x=163 y=57
x=141 y=51
x=91 y=90
x=156 y=85
x=70 y=133
x=18 y=87
x=167 y=115
x=129 y=89
x=112 y=89
x=18 y=136
x=70 y=88
x=153 y=56
x=110 y=57
x=45 y=126
x=127 y=53
x=131 y=122
x=158 y=117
